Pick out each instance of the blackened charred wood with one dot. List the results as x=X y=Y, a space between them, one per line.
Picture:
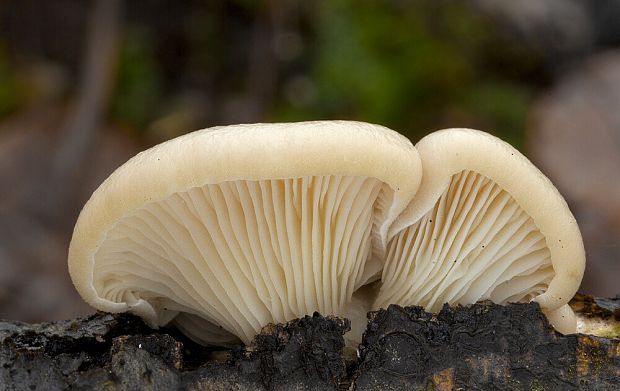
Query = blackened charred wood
x=484 y=346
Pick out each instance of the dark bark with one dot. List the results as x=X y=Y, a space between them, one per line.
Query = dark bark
x=483 y=346
x=107 y=351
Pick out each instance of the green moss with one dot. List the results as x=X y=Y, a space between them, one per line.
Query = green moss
x=536 y=386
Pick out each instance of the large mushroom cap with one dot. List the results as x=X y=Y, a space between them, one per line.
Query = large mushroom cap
x=227 y=229
x=484 y=224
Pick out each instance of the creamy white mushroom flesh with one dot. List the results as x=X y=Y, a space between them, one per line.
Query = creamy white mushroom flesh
x=485 y=224
x=225 y=230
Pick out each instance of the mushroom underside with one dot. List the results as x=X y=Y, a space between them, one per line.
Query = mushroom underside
x=279 y=249
x=475 y=243
x=276 y=249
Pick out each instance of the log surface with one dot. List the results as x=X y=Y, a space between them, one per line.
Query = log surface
x=486 y=347
x=483 y=346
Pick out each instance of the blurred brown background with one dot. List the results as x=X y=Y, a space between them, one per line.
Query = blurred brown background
x=84 y=85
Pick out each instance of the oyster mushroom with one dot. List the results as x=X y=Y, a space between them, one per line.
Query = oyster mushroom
x=227 y=229
x=484 y=224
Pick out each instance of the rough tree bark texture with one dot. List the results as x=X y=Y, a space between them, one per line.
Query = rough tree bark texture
x=483 y=346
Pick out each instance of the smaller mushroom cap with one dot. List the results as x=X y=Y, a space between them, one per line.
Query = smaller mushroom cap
x=484 y=224
x=227 y=229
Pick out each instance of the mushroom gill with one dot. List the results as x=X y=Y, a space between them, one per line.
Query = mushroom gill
x=225 y=230
x=242 y=254
x=484 y=224
x=475 y=243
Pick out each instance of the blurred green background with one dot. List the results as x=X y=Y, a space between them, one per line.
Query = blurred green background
x=412 y=66
x=84 y=85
